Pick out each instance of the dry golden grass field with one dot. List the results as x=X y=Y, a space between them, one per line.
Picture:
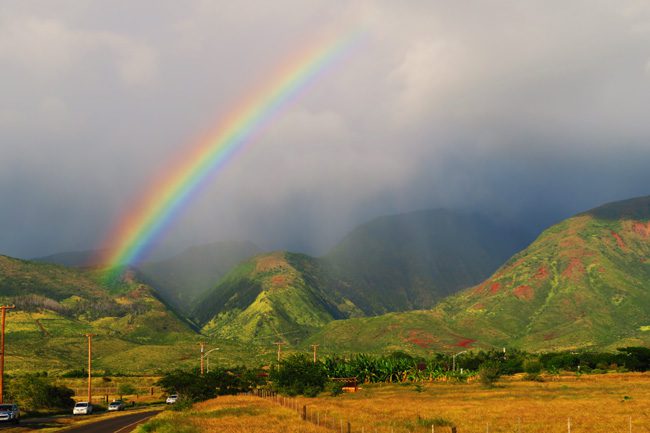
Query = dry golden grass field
x=593 y=403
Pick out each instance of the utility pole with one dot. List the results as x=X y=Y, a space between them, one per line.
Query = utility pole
x=2 y=350
x=202 y=351
x=279 y=344
x=314 y=346
x=90 y=364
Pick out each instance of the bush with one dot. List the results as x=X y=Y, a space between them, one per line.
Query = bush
x=335 y=388
x=532 y=366
x=298 y=374
x=489 y=372
x=126 y=389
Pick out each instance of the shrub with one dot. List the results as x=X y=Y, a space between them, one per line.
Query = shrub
x=335 y=388
x=489 y=372
x=532 y=366
x=126 y=389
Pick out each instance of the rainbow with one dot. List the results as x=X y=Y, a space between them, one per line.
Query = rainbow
x=136 y=231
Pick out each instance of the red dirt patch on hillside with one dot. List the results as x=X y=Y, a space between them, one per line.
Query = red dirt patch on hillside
x=465 y=342
x=270 y=262
x=575 y=270
x=279 y=280
x=495 y=287
x=420 y=338
x=542 y=273
x=524 y=292
x=619 y=241
x=642 y=229
x=550 y=336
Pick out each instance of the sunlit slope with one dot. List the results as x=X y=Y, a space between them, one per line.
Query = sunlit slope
x=56 y=306
x=584 y=283
x=410 y=261
x=277 y=295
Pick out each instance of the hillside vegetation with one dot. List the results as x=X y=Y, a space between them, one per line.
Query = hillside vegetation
x=57 y=306
x=410 y=261
x=277 y=295
x=584 y=283
x=394 y=263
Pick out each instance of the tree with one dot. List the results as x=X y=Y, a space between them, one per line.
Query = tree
x=38 y=392
x=298 y=374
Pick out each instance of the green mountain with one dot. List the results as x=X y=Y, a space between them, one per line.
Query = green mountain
x=182 y=279
x=410 y=261
x=584 y=283
x=393 y=263
x=56 y=306
x=272 y=296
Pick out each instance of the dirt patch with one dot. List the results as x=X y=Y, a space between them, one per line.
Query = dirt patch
x=465 y=342
x=542 y=273
x=420 y=338
x=524 y=292
x=550 y=336
x=642 y=229
x=270 y=262
x=619 y=241
x=279 y=281
x=495 y=287
x=575 y=270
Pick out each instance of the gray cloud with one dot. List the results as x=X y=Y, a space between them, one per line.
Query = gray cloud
x=528 y=110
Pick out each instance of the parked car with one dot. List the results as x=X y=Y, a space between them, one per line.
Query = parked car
x=172 y=399
x=82 y=408
x=9 y=413
x=116 y=405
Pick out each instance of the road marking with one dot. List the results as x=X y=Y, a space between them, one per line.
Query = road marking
x=134 y=423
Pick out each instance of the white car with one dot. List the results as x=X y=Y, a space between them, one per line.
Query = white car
x=82 y=408
x=9 y=413
x=116 y=405
x=172 y=399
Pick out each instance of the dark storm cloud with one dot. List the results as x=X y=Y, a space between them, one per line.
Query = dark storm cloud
x=527 y=110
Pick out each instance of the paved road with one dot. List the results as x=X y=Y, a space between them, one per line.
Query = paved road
x=120 y=424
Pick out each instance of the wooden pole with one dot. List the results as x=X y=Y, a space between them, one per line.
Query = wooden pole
x=202 y=350
x=314 y=346
x=279 y=344
x=2 y=350
x=90 y=363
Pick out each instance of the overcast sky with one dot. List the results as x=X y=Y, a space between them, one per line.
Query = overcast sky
x=530 y=111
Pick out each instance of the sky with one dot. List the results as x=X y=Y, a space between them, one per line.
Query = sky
x=525 y=111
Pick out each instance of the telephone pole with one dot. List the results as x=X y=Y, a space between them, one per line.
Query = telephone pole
x=314 y=346
x=2 y=350
x=202 y=344
x=90 y=364
x=279 y=344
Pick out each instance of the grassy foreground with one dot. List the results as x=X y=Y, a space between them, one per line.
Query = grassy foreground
x=594 y=403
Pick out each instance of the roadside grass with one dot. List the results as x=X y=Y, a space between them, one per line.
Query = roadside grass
x=591 y=403
x=230 y=414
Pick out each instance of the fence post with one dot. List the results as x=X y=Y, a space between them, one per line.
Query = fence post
x=349 y=427
x=568 y=425
x=304 y=412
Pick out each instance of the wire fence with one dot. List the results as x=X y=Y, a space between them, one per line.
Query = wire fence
x=579 y=424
